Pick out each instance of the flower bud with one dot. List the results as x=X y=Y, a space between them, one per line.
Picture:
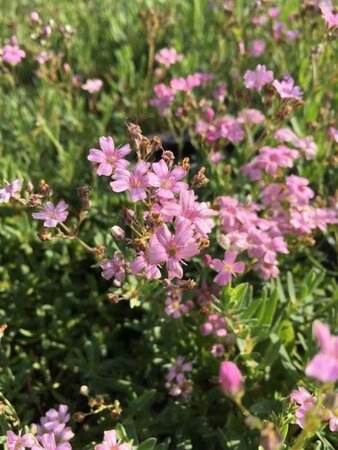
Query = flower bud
x=117 y=232
x=84 y=390
x=231 y=379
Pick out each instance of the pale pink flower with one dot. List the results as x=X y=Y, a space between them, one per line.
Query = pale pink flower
x=12 y=54
x=178 y=369
x=220 y=92
x=217 y=350
x=214 y=324
x=251 y=116
x=273 y=194
x=333 y=422
x=17 y=442
x=257 y=48
x=43 y=57
x=175 y=308
x=226 y=268
x=10 y=190
x=111 y=442
x=333 y=132
x=48 y=442
x=142 y=263
x=109 y=158
x=173 y=248
x=135 y=182
x=324 y=366
x=167 y=182
x=331 y=17
x=34 y=16
x=287 y=89
x=297 y=190
x=168 y=56
x=52 y=215
x=114 y=268
x=164 y=97
x=230 y=379
x=258 y=78
x=305 y=401
x=92 y=86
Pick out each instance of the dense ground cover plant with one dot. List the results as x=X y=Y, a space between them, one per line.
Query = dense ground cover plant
x=201 y=185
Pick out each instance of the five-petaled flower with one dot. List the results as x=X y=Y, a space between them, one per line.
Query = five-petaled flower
x=52 y=215
x=226 y=268
x=109 y=158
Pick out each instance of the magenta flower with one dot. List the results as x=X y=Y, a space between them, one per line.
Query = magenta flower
x=230 y=379
x=173 y=248
x=305 y=401
x=109 y=158
x=324 y=366
x=168 y=56
x=52 y=215
x=17 y=442
x=226 y=268
x=258 y=78
x=92 y=86
x=12 y=54
x=111 y=442
x=114 y=268
x=10 y=190
x=135 y=182
x=287 y=89
x=166 y=182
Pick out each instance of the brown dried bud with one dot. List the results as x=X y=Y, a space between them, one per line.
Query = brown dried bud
x=227 y=169
x=83 y=192
x=116 y=410
x=144 y=148
x=30 y=187
x=186 y=164
x=44 y=189
x=155 y=144
x=187 y=284
x=127 y=215
x=2 y=409
x=168 y=157
x=200 y=179
x=34 y=200
x=44 y=234
x=113 y=298
x=100 y=250
x=79 y=416
x=135 y=133
x=3 y=328
x=270 y=437
x=203 y=243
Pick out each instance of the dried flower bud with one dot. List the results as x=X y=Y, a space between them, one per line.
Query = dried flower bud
x=135 y=133
x=116 y=410
x=44 y=189
x=127 y=215
x=168 y=157
x=113 y=298
x=155 y=144
x=270 y=437
x=79 y=416
x=117 y=232
x=200 y=179
x=186 y=164
x=100 y=250
x=44 y=234
x=30 y=187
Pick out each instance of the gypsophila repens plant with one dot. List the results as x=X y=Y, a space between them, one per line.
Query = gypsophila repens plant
x=168 y=225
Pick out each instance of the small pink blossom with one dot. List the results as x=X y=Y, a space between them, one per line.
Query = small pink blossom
x=92 y=86
x=305 y=401
x=135 y=182
x=34 y=16
x=10 y=190
x=333 y=422
x=331 y=17
x=167 y=182
x=217 y=350
x=114 y=268
x=111 y=442
x=164 y=97
x=168 y=56
x=287 y=89
x=175 y=308
x=17 y=442
x=52 y=215
x=226 y=268
x=12 y=54
x=171 y=248
x=230 y=379
x=251 y=116
x=215 y=324
x=324 y=366
x=297 y=190
x=43 y=57
x=333 y=133
x=47 y=442
x=258 y=78
x=257 y=48
x=178 y=369
x=142 y=263
x=109 y=158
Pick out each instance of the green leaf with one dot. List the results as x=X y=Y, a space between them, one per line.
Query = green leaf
x=149 y=444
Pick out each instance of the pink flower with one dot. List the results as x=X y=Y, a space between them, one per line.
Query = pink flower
x=142 y=263
x=48 y=442
x=114 y=268
x=333 y=422
x=111 y=442
x=164 y=97
x=333 y=132
x=166 y=182
x=230 y=379
x=34 y=16
x=177 y=370
x=43 y=57
x=109 y=158
x=197 y=213
x=306 y=144
x=52 y=215
x=92 y=86
x=331 y=18
x=215 y=324
x=324 y=366
x=10 y=190
x=257 y=48
x=217 y=350
x=258 y=78
x=226 y=268
x=287 y=89
x=297 y=191
x=251 y=116
x=135 y=182
x=273 y=194
x=305 y=401
x=15 y=442
x=175 y=308
x=12 y=54
x=168 y=56
x=173 y=248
